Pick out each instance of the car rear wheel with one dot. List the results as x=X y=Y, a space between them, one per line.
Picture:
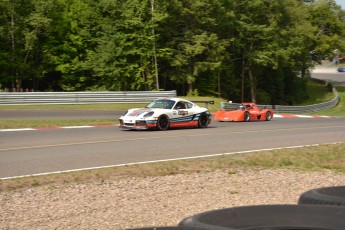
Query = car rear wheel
x=268 y=116
x=203 y=120
x=246 y=117
x=163 y=122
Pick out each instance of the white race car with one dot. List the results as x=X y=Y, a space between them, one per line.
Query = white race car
x=165 y=113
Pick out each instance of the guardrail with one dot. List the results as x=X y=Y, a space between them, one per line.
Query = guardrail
x=292 y=109
x=34 y=98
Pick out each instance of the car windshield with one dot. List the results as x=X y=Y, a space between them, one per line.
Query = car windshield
x=241 y=107
x=161 y=104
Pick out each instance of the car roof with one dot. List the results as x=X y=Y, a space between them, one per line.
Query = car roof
x=173 y=99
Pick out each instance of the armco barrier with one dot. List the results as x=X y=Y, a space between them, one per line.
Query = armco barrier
x=31 y=98
x=292 y=109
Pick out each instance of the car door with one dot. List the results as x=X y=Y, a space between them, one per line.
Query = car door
x=180 y=109
x=182 y=113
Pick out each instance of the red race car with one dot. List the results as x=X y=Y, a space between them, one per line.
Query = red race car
x=244 y=112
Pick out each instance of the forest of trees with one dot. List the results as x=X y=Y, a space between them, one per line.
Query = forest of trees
x=243 y=50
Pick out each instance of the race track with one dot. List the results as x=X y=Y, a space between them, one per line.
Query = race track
x=45 y=151
x=53 y=150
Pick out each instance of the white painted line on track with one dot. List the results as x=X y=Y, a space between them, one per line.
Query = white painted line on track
x=14 y=130
x=166 y=160
x=304 y=116
x=77 y=127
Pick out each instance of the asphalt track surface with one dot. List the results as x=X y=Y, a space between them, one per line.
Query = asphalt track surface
x=329 y=74
x=36 y=152
x=25 y=153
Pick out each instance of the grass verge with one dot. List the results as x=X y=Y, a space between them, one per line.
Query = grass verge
x=339 y=110
x=318 y=93
x=313 y=158
x=50 y=123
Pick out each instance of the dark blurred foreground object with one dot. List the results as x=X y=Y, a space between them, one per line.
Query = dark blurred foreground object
x=334 y=195
x=272 y=217
x=155 y=228
x=318 y=209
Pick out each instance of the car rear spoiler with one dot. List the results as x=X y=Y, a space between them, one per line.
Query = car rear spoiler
x=206 y=102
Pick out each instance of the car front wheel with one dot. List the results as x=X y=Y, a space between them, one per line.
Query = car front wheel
x=268 y=116
x=163 y=122
x=246 y=116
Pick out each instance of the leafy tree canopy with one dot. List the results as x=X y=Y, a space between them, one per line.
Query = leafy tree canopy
x=257 y=50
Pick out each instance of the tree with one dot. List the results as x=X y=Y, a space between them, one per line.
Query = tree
x=327 y=17
x=196 y=49
x=24 y=26
x=124 y=56
x=74 y=26
x=258 y=50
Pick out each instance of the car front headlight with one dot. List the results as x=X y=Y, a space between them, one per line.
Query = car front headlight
x=149 y=114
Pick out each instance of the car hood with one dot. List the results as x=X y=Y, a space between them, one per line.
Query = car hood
x=142 y=111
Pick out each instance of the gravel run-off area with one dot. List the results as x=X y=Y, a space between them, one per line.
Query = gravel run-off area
x=153 y=201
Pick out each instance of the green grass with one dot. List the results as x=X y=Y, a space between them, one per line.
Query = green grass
x=316 y=158
x=318 y=93
x=339 y=110
x=45 y=123
x=328 y=157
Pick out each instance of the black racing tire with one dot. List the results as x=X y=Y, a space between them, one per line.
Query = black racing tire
x=268 y=116
x=246 y=117
x=163 y=122
x=273 y=217
x=334 y=195
x=203 y=120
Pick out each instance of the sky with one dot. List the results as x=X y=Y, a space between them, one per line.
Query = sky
x=341 y=3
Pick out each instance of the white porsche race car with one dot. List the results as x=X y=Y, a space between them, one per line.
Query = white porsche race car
x=165 y=113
